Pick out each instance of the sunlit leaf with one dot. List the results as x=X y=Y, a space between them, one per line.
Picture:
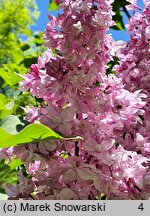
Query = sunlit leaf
x=3 y=196
x=12 y=133
x=12 y=124
x=15 y=163
x=2 y=105
x=31 y=133
x=53 y=6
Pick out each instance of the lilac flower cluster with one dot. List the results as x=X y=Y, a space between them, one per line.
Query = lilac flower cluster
x=111 y=112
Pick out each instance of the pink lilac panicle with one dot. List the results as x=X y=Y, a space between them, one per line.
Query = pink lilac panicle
x=108 y=111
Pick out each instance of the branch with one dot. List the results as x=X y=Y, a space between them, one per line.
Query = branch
x=126 y=12
x=76 y=149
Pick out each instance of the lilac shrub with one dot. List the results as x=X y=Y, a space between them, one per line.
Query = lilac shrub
x=110 y=112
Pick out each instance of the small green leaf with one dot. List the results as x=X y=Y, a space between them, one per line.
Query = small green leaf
x=27 y=32
x=114 y=61
x=24 y=47
x=53 y=6
x=15 y=163
x=64 y=155
x=119 y=21
x=38 y=39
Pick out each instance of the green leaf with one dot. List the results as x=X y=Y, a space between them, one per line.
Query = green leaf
x=114 y=61
x=2 y=105
x=6 y=106
x=15 y=163
x=118 y=8
x=8 y=172
x=31 y=133
x=53 y=6
x=10 y=105
x=27 y=32
x=119 y=21
x=14 y=133
x=3 y=98
x=8 y=75
x=29 y=60
x=38 y=39
x=64 y=155
x=24 y=46
x=12 y=124
x=3 y=196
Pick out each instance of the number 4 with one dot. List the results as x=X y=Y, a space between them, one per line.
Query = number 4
x=141 y=207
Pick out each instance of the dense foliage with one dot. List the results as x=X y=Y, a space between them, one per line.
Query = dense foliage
x=88 y=132
x=19 y=48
